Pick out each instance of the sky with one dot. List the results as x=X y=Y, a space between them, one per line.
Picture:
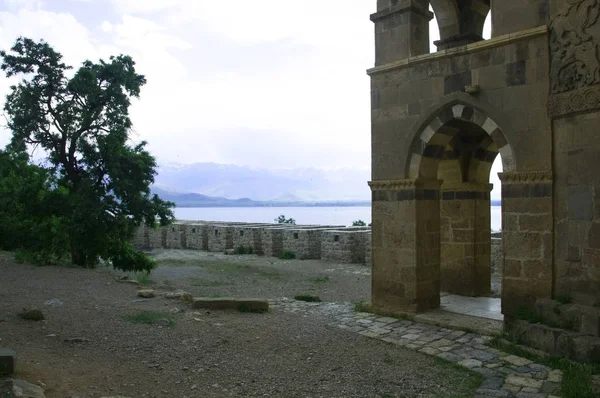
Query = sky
x=261 y=83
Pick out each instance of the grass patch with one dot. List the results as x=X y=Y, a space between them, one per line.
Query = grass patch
x=577 y=377
x=200 y=282
x=149 y=317
x=308 y=298
x=363 y=306
x=322 y=279
x=143 y=278
x=244 y=250
x=470 y=382
x=287 y=255
x=247 y=308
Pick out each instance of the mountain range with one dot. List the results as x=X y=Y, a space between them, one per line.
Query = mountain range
x=219 y=182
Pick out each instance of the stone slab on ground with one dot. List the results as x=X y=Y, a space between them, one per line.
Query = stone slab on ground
x=229 y=303
x=24 y=389
x=490 y=327
x=8 y=359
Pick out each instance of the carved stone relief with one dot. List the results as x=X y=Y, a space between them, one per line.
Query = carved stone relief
x=573 y=51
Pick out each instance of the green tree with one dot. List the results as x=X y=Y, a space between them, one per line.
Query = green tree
x=359 y=223
x=282 y=220
x=81 y=122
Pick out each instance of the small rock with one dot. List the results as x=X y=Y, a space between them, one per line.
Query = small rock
x=161 y=322
x=178 y=295
x=8 y=358
x=146 y=293
x=21 y=388
x=53 y=303
x=32 y=314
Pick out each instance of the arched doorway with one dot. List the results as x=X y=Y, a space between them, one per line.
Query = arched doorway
x=431 y=231
x=458 y=148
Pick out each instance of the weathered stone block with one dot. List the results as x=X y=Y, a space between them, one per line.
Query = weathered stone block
x=8 y=360
x=244 y=305
x=581 y=203
x=516 y=73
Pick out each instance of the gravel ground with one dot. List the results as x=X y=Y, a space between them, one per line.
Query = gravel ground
x=205 y=354
x=215 y=274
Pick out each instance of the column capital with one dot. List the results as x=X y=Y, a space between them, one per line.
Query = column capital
x=406 y=184
x=526 y=177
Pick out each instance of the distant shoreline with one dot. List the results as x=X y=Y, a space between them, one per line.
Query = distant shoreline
x=302 y=204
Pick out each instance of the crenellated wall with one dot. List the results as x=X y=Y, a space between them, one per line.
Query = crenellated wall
x=305 y=241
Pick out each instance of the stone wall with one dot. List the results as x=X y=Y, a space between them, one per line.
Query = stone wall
x=305 y=241
x=345 y=246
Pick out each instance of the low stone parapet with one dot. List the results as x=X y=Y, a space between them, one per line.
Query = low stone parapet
x=344 y=246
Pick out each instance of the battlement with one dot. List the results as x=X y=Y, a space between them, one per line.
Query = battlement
x=328 y=242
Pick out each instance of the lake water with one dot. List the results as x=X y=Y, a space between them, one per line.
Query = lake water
x=302 y=215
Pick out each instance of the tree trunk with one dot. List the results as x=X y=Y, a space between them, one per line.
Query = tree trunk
x=78 y=257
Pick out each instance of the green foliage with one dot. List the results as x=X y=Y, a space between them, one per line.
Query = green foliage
x=93 y=189
x=247 y=308
x=362 y=306
x=322 y=279
x=308 y=298
x=244 y=250
x=149 y=317
x=287 y=255
x=359 y=223
x=577 y=377
x=282 y=220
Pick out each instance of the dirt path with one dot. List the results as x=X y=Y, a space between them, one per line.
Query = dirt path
x=216 y=354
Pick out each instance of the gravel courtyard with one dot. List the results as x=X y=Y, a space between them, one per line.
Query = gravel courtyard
x=87 y=347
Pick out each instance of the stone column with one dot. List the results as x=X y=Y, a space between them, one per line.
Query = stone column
x=465 y=238
x=401 y=29
x=527 y=242
x=406 y=246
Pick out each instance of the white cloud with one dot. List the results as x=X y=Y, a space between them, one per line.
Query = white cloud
x=259 y=83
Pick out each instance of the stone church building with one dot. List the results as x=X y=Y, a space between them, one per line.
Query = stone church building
x=530 y=94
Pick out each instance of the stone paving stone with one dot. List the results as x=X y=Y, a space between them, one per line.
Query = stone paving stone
x=492 y=383
x=386 y=320
x=504 y=375
x=555 y=376
x=549 y=387
x=489 y=393
x=441 y=343
x=517 y=361
x=511 y=388
x=447 y=348
x=411 y=336
x=448 y=356
x=523 y=381
x=429 y=350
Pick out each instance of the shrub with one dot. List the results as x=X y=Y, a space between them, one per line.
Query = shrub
x=359 y=223
x=287 y=255
x=308 y=298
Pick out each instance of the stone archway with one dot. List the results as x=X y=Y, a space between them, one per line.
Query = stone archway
x=440 y=211
x=458 y=147
x=460 y=22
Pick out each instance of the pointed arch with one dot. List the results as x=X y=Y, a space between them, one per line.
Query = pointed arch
x=436 y=135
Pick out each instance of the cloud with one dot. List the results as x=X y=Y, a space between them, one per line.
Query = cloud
x=257 y=83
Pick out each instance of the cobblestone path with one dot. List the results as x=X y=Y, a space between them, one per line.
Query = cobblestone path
x=504 y=375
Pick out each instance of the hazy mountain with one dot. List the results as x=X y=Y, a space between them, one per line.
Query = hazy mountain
x=234 y=182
